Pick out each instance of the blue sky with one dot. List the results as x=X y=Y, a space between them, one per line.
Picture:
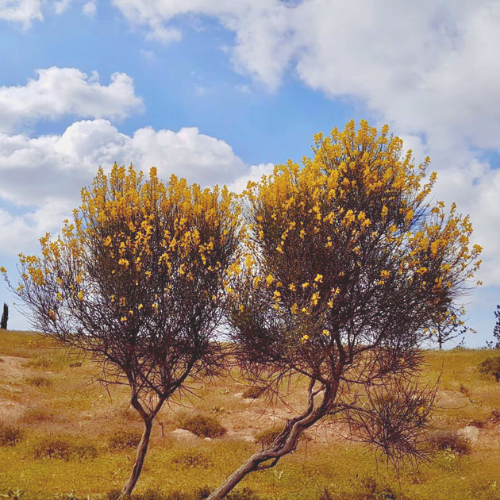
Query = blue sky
x=219 y=91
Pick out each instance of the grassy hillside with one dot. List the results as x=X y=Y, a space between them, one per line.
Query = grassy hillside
x=65 y=436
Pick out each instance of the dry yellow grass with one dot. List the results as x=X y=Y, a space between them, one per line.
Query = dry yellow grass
x=82 y=415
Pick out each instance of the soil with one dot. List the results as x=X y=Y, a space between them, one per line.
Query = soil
x=245 y=419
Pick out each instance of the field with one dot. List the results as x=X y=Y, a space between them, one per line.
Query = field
x=65 y=436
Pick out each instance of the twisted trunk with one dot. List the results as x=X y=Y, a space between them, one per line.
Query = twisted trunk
x=285 y=443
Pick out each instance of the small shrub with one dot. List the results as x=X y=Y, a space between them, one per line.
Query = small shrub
x=39 y=382
x=9 y=435
x=113 y=494
x=253 y=392
x=192 y=458
x=491 y=366
x=124 y=439
x=203 y=426
x=267 y=436
x=477 y=423
x=63 y=448
x=36 y=415
x=152 y=494
x=243 y=494
x=451 y=441
x=39 y=363
x=16 y=494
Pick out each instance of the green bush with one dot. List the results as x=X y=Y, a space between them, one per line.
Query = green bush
x=491 y=366
x=9 y=435
x=36 y=415
x=203 y=426
x=63 y=448
x=243 y=494
x=267 y=436
x=451 y=441
x=192 y=458
x=124 y=439
x=39 y=382
x=253 y=392
x=40 y=363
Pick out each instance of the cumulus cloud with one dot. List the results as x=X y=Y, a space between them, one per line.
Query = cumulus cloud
x=90 y=8
x=67 y=91
x=42 y=176
x=23 y=12
x=430 y=69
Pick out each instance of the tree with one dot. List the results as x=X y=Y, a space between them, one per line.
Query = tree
x=348 y=266
x=138 y=280
x=5 y=317
x=450 y=326
x=496 y=329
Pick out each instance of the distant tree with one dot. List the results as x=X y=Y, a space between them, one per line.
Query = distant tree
x=348 y=266
x=496 y=330
x=5 y=317
x=138 y=281
x=450 y=326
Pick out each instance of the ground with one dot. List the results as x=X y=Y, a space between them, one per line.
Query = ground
x=47 y=392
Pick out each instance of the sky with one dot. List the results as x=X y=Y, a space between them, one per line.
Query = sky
x=219 y=91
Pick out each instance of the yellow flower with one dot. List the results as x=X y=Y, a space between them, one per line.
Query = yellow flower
x=241 y=308
x=59 y=296
x=80 y=295
x=139 y=307
x=319 y=278
x=3 y=270
x=305 y=285
x=305 y=337
x=326 y=332
x=269 y=279
x=292 y=287
x=123 y=318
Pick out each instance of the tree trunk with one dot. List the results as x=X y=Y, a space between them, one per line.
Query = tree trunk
x=139 y=460
x=250 y=465
x=285 y=443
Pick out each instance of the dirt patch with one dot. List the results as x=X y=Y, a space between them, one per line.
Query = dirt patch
x=10 y=409
x=12 y=369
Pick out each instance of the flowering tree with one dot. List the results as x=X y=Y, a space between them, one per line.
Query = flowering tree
x=348 y=267
x=138 y=280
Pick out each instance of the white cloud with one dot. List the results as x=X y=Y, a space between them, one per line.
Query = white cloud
x=90 y=8
x=430 y=69
x=43 y=176
x=67 y=91
x=254 y=174
x=21 y=11
x=61 y=6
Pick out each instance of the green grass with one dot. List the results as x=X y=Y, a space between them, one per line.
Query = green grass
x=58 y=437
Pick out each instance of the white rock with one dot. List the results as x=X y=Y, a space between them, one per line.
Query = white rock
x=183 y=434
x=470 y=432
